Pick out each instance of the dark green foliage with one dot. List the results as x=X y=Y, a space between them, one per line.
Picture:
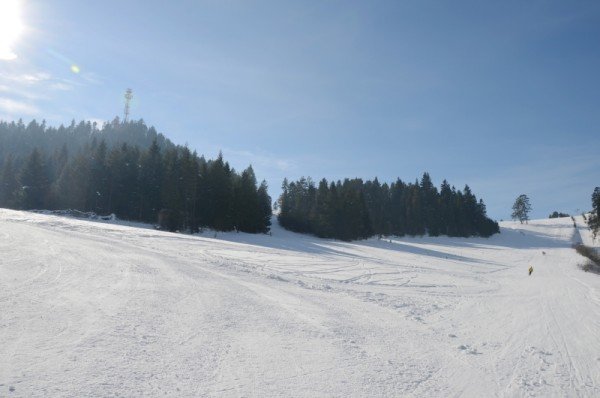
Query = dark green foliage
x=594 y=218
x=220 y=195
x=19 y=140
x=8 y=183
x=33 y=180
x=151 y=169
x=354 y=209
x=135 y=178
x=557 y=214
x=263 y=224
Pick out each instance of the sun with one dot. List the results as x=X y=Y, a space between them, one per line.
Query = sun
x=10 y=27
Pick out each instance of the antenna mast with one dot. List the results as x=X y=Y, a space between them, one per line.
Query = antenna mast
x=128 y=97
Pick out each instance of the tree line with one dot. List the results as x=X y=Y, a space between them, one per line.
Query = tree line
x=357 y=209
x=135 y=177
x=558 y=214
x=128 y=169
x=19 y=139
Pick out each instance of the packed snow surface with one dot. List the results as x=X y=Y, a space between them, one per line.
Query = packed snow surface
x=98 y=309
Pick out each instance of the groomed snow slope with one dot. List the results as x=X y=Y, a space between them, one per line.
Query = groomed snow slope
x=92 y=309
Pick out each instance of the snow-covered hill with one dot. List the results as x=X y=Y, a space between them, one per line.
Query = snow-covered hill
x=97 y=309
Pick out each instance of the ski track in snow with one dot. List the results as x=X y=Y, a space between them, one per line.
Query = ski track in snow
x=100 y=309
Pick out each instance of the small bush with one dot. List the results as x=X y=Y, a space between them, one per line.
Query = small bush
x=590 y=267
x=593 y=265
x=557 y=214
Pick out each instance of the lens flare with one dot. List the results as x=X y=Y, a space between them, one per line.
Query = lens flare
x=11 y=27
x=75 y=69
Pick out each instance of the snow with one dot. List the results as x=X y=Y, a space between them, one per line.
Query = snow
x=101 y=309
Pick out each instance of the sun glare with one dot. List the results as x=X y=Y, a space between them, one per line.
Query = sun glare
x=10 y=27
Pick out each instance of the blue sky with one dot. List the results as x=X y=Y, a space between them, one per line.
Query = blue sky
x=503 y=96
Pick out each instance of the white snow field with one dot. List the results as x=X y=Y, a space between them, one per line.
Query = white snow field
x=95 y=309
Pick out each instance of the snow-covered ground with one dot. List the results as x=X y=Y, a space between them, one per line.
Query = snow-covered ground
x=98 y=309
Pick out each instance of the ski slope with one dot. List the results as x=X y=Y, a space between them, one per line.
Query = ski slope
x=96 y=309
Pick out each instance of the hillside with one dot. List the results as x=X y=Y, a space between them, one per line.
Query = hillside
x=18 y=139
x=98 y=309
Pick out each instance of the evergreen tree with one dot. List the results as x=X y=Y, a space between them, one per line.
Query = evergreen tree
x=8 y=183
x=398 y=208
x=521 y=208
x=34 y=183
x=71 y=188
x=246 y=214
x=171 y=196
x=354 y=209
x=220 y=188
x=107 y=175
x=150 y=183
x=430 y=205
x=557 y=214
x=98 y=178
x=123 y=170
x=264 y=208
x=324 y=211
x=594 y=218
x=188 y=182
x=446 y=209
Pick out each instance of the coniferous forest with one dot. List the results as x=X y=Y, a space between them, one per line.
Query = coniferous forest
x=127 y=169
x=354 y=209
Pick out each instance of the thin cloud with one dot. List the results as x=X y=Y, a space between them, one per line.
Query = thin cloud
x=6 y=54
x=25 y=92
x=28 y=78
x=13 y=107
x=61 y=86
x=91 y=78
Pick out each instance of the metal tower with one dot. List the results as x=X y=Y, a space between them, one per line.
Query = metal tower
x=128 y=97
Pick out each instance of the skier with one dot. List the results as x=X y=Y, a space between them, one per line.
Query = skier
x=530 y=269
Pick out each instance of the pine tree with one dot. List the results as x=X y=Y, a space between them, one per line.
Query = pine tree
x=71 y=188
x=8 y=183
x=170 y=188
x=125 y=168
x=264 y=208
x=98 y=183
x=34 y=183
x=594 y=218
x=246 y=205
x=285 y=205
x=429 y=197
x=446 y=209
x=202 y=204
x=150 y=183
x=123 y=171
x=188 y=182
x=322 y=215
x=347 y=210
x=398 y=210
x=220 y=186
x=521 y=208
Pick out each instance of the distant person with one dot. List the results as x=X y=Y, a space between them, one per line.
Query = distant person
x=530 y=269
